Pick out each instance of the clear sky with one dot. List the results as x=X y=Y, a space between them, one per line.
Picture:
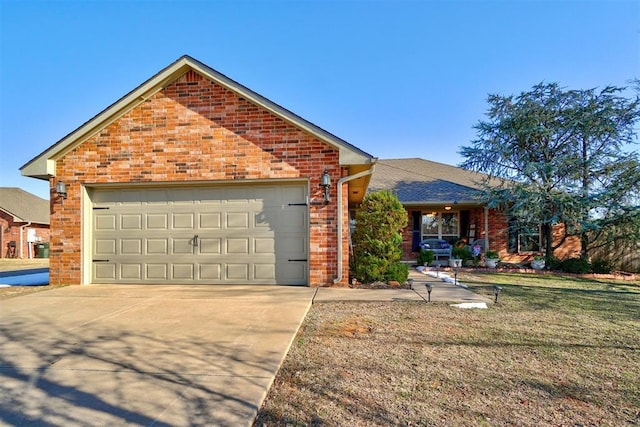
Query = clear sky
x=394 y=78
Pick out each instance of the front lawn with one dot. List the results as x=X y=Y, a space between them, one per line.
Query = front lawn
x=553 y=351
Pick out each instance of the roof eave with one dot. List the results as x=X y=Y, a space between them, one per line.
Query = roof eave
x=15 y=217
x=443 y=202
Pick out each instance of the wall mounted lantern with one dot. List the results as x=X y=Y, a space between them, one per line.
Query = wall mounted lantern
x=325 y=182
x=61 y=189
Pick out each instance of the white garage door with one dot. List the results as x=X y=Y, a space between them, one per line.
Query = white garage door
x=231 y=234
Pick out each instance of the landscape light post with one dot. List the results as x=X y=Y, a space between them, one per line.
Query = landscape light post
x=496 y=292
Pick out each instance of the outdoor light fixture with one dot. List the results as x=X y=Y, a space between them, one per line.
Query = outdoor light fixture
x=410 y=282
x=61 y=189
x=496 y=292
x=456 y=267
x=325 y=182
x=429 y=287
x=447 y=208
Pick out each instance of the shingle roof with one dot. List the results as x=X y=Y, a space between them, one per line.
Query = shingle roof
x=419 y=181
x=24 y=206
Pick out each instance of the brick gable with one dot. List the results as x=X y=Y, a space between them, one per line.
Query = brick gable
x=195 y=130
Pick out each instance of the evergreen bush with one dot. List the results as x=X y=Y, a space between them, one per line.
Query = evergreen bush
x=377 y=240
x=554 y=264
x=398 y=272
x=461 y=253
x=425 y=257
x=601 y=266
x=576 y=266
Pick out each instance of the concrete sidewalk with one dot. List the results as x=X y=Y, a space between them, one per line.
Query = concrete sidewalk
x=441 y=292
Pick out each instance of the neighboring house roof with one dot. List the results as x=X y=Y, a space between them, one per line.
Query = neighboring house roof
x=424 y=182
x=43 y=165
x=24 y=206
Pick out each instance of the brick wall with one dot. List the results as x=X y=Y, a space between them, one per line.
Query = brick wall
x=498 y=236
x=195 y=130
x=10 y=231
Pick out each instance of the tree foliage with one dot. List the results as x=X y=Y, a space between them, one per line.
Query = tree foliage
x=377 y=240
x=563 y=157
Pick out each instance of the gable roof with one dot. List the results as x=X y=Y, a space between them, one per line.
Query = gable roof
x=423 y=182
x=24 y=206
x=43 y=165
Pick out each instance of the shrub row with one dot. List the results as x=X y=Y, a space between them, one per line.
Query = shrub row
x=581 y=265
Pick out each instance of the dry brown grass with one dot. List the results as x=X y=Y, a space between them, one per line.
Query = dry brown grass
x=552 y=352
x=8 y=264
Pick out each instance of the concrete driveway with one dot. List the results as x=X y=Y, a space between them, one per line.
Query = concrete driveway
x=144 y=355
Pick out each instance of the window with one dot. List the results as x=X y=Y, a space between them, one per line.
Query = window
x=441 y=225
x=524 y=237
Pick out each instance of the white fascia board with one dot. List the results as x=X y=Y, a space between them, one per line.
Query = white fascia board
x=43 y=165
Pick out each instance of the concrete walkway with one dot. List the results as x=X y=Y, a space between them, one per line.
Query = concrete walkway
x=440 y=292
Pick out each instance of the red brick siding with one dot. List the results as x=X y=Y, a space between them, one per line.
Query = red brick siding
x=498 y=236
x=407 y=238
x=195 y=130
x=570 y=248
x=11 y=232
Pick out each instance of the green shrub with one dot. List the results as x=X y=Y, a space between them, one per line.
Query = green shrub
x=376 y=239
x=554 y=264
x=425 y=257
x=492 y=255
x=398 y=272
x=576 y=266
x=461 y=253
x=601 y=266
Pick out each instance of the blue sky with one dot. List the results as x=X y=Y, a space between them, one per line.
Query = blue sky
x=394 y=78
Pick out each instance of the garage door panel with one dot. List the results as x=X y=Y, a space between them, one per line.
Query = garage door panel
x=131 y=221
x=237 y=272
x=210 y=271
x=209 y=246
x=289 y=273
x=210 y=220
x=292 y=220
x=265 y=245
x=157 y=221
x=182 y=246
x=291 y=245
x=131 y=272
x=157 y=246
x=182 y=221
x=105 y=247
x=105 y=271
x=246 y=234
x=182 y=272
x=105 y=222
x=131 y=246
x=264 y=271
x=237 y=220
x=157 y=272
x=238 y=246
